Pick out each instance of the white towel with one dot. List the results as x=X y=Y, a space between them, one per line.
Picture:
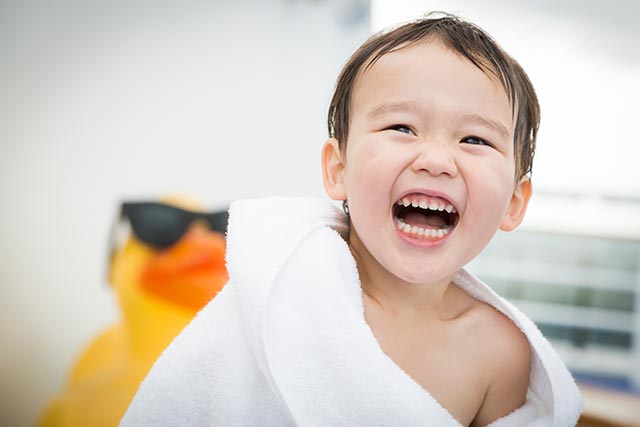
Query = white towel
x=285 y=342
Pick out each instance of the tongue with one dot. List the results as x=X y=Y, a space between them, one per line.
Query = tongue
x=424 y=220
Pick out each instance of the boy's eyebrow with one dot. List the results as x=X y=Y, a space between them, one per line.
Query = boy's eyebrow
x=412 y=107
x=483 y=121
x=402 y=107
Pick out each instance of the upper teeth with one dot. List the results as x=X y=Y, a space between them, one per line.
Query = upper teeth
x=429 y=203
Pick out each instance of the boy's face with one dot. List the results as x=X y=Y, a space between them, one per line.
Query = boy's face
x=428 y=128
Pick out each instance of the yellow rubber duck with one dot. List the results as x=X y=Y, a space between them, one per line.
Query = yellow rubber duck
x=159 y=291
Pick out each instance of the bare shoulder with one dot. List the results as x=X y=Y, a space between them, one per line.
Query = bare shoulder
x=507 y=357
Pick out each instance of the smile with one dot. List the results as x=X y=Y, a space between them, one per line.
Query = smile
x=423 y=217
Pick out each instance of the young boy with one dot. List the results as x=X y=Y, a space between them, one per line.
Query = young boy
x=367 y=317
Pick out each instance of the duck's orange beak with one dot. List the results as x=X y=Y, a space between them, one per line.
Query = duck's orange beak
x=191 y=272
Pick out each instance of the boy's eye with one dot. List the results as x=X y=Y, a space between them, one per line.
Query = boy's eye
x=402 y=128
x=475 y=141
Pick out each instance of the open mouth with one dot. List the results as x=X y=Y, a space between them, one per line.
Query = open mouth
x=424 y=217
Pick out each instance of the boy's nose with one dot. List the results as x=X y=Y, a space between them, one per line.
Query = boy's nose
x=435 y=157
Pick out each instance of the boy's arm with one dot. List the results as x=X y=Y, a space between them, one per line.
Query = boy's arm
x=509 y=381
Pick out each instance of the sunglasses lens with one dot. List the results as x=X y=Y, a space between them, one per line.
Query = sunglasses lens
x=218 y=221
x=158 y=225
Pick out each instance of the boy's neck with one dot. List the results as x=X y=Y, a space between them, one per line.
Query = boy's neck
x=401 y=298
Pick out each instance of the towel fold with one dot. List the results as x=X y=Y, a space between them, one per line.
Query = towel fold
x=285 y=342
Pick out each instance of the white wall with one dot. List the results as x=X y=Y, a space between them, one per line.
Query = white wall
x=109 y=100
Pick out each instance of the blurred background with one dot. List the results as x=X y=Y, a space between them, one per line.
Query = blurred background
x=105 y=101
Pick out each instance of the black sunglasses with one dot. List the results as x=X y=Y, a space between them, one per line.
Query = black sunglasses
x=162 y=225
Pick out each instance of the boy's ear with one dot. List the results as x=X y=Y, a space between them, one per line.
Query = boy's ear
x=333 y=170
x=518 y=205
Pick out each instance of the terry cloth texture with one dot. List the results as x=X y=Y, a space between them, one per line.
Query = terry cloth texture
x=285 y=342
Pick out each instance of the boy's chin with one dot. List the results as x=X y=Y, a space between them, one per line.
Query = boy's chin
x=422 y=278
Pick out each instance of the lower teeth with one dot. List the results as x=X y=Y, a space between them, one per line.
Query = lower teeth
x=422 y=233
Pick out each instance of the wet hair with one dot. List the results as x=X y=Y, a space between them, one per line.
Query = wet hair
x=463 y=38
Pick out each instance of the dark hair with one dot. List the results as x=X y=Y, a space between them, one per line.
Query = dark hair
x=461 y=37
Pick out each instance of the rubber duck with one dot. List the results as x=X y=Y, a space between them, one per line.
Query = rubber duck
x=160 y=287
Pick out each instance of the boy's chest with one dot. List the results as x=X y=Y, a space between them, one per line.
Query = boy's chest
x=442 y=362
